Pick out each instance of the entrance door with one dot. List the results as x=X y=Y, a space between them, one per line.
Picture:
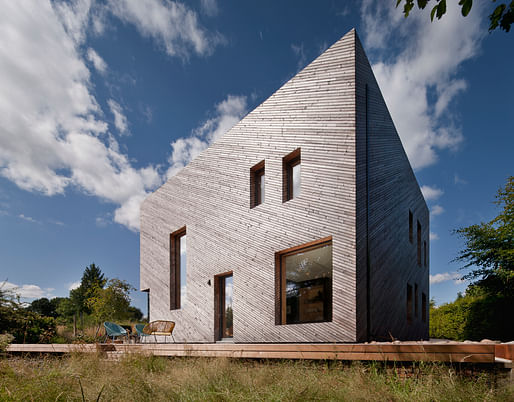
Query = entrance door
x=223 y=316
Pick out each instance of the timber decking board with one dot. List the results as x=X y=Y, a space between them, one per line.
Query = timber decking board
x=470 y=353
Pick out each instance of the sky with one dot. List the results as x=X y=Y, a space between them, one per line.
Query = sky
x=102 y=101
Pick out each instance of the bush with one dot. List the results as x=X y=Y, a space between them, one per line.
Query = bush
x=475 y=316
x=24 y=325
x=5 y=340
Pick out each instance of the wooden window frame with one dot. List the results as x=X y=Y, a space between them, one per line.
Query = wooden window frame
x=411 y=227
x=257 y=173
x=288 y=162
x=175 y=268
x=419 y=243
x=280 y=277
x=219 y=292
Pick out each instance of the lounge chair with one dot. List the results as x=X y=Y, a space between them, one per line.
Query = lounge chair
x=113 y=331
x=161 y=328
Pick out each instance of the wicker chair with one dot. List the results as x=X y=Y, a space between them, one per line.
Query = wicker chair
x=161 y=328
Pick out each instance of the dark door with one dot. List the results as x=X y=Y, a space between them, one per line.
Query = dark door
x=224 y=307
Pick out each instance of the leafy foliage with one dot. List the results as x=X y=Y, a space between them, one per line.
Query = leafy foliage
x=474 y=316
x=111 y=303
x=26 y=326
x=489 y=248
x=45 y=307
x=92 y=279
x=5 y=340
x=485 y=309
x=502 y=15
x=92 y=302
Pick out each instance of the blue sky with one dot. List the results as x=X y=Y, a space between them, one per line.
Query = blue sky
x=102 y=100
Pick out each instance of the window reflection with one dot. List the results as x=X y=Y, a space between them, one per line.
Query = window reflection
x=308 y=285
x=183 y=266
x=296 y=180
x=228 y=321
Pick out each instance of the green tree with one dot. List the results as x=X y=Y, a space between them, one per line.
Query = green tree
x=92 y=279
x=112 y=302
x=134 y=314
x=502 y=15
x=43 y=307
x=489 y=248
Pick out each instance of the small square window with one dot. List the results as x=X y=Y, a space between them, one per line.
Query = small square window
x=291 y=172
x=257 y=185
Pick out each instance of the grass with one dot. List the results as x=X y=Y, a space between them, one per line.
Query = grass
x=83 y=377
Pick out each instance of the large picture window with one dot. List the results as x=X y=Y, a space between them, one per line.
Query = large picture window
x=178 y=254
x=304 y=283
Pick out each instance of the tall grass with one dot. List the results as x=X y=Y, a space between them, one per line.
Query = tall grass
x=148 y=378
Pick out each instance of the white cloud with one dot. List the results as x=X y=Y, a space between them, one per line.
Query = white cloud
x=171 y=24
x=228 y=113
x=120 y=120
x=434 y=236
x=99 y=63
x=74 y=16
x=436 y=210
x=444 y=277
x=420 y=83
x=27 y=291
x=459 y=180
x=102 y=221
x=28 y=218
x=51 y=132
x=431 y=193
x=209 y=7
x=298 y=50
x=74 y=285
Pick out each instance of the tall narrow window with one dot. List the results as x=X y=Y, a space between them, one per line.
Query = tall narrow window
x=411 y=218
x=424 y=307
x=304 y=283
x=416 y=310
x=178 y=271
x=257 y=184
x=425 y=253
x=409 y=303
x=419 y=244
x=147 y=291
x=291 y=166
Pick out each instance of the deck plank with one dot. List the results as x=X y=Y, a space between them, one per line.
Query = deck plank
x=451 y=352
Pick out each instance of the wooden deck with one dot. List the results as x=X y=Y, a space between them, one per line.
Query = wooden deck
x=404 y=351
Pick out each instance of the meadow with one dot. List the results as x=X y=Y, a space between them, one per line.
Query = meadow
x=83 y=377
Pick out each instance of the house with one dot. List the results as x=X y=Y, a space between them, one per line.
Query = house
x=303 y=223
